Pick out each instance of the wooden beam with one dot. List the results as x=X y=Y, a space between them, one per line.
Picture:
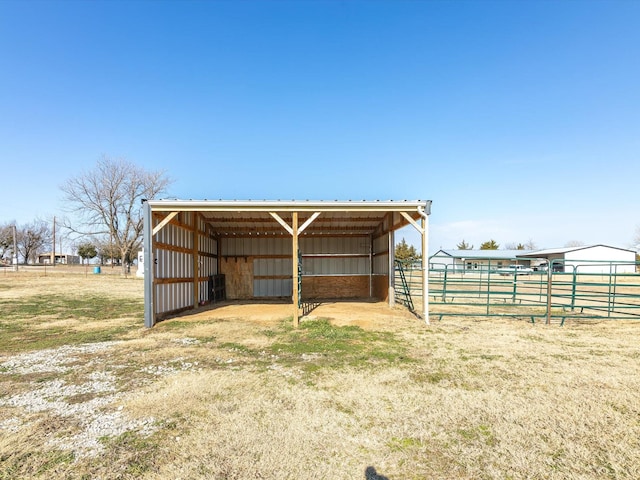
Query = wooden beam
x=391 y=265
x=425 y=269
x=196 y=259
x=412 y=222
x=296 y=297
x=308 y=222
x=326 y=218
x=283 y=223
x=166 y=220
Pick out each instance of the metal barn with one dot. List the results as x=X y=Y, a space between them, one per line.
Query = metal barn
x=602 y=259
x=199 y=252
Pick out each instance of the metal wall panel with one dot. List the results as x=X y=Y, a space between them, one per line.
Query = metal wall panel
x=327 y=245
x=256 y=246
x=335 y=265
x=272 y=287
x=381 y=254
x=272 y=266
x=381 y=264
x=172 y=264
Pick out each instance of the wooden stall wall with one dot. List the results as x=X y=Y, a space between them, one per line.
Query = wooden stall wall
x=343 y=286
x=238 y=275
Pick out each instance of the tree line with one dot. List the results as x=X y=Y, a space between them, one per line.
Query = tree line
x=491 y=244
x=36 y=238
x=106 y=205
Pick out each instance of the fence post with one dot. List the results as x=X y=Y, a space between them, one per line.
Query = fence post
x=549 y=282
x=444 y=284
x=573 y=287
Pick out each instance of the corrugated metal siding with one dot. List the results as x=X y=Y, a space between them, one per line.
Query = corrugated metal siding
x=381 y=255
x=335 y=265
x=272 y=266
x=381 y=264
x=173 y=296
x=256 y=246
x=272 y=287
x=327 y=245
x=178 y=265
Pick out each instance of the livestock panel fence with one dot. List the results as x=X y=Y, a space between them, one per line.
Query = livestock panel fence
x=561 y=291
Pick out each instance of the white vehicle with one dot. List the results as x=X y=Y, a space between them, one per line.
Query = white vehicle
x=515 y=270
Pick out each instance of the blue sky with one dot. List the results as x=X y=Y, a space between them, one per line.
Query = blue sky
x=520 y=120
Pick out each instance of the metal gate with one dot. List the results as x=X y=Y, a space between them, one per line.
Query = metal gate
x=578 y=290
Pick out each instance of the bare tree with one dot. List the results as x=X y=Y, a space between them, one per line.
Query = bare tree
x=107 y=202
x=574 y=243
x=530 y=245
x=6 y=241
x=32 y=239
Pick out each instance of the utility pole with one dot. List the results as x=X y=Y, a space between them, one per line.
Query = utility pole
x=15 y=249
x=53 y=250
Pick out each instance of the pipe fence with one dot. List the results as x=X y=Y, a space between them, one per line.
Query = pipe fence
x=562 y=290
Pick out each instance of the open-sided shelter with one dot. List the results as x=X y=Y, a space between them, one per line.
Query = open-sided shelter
x=199 y=251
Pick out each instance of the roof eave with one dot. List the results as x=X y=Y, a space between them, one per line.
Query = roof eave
x=293 y=205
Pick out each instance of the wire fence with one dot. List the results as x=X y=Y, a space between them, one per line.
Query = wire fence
x=563 y=290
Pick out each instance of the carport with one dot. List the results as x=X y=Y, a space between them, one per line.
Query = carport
x=198 y=252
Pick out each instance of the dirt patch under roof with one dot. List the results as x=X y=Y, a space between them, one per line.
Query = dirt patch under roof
x=365 y=314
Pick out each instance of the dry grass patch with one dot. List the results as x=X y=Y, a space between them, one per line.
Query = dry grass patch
x=87 y=394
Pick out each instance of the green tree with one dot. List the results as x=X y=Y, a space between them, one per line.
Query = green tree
x=406 y=253
x=87 y=251
x=489 y=245
x=464 y=246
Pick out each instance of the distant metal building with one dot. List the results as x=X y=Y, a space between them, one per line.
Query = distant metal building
x=196 y=252
x=588 y=259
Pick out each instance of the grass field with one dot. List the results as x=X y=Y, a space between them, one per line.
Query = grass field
x=87 y=392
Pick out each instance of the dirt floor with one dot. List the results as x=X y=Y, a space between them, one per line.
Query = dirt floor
x=363 y=313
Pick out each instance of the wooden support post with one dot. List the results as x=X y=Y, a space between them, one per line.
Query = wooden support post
x=425 y=269
x=296 y=294
x=392 y=266
x=196 y=260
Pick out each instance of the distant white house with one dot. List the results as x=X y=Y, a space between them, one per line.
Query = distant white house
x=469 y=260
x=60 y=258
x=587 y=259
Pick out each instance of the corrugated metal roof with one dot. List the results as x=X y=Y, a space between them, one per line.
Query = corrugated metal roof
x=290 y=205
x=563 y=250
x=253 y=217
x=481 y=254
